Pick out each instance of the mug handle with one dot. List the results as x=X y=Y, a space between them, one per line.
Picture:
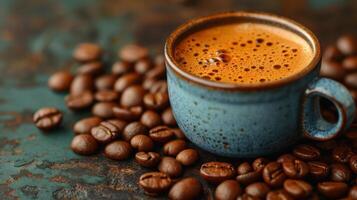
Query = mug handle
x=314 y=125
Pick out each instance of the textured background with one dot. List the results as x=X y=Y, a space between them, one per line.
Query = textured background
x=37 y=38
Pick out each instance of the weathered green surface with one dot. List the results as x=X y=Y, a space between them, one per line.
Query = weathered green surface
x=37 y=37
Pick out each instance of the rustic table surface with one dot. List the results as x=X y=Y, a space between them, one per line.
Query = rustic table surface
x=37 y=38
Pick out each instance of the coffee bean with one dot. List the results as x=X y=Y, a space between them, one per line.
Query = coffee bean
x=259 y=164
x=318 y=170
x=84 y=144
x=340 y=172
x=103 y=109
x=128 y=114
x=186 y=189
x=157 y=72
x=156 y=101
x=147 y=159
x=150 y=119
x=79 y=101
x=132 y=96
x=332 y=69
x=332 y=190
x=168 y=117
x=132 y=129
x=159 y=87
x=244 y=168
x=347 y=44
x=187 y=157
x=174 y=147
x=91 y=68
x=118 y=150
x=120 y=124
x=148 y=83
x=120 y=68
x=178 y=133
x=295 y=169
x=273 y=174
x=155 y=182
x=351 y=80
x=249 y=177
x=60 y=81
x=286 y=157
x=258 y=189
x=228 y=190
x=297 y=188
x=142 y=143
x=353 y=163
x=85 y=125
x=105 y=132
x=47 y=118
x=170 y=166
x=306 y=152
x=81 y=83
x=350 y=63
x=247 y=197
x=353 y=193
x=332 y=53
x=142 y=66
x=342 y=154
x=85 y=52
x=279 y=195
x=161 y=134
x=216 y=172
x=126 y=80
x=105 y=82
x=106 y=95
x=133 y=52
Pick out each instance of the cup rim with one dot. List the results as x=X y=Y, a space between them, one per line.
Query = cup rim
x=309 y=36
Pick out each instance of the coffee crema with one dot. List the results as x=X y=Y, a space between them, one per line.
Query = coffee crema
x=243 y=53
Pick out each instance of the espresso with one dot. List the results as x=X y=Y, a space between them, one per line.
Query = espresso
x=243 y=53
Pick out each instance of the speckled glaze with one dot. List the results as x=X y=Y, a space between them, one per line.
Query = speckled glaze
x=245 y=122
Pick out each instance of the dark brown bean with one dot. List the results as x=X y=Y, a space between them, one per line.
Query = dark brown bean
x=132 y=129
x=279 y=195
x=332 y=53
x=353 y=163
x=150 y=119
x=340 y=172
x=347 y=44
x=155 y=182
x=156 y=101
x=333 y=190
x=170 y=166
x=174 y=147
x=118 y=150
x=306 y=152
x=157 y=72
x=332 y=69
x=132 y=96
x=350 y=63
x=295 y=169
x=286 y=157
x=91 y=68
x=178 y=133
x=47 y=118
x=142 y=66
x=60 y=81
x=216 y=172
x=120 y=124
x=258 y=189
x=106 y=95
x=133 y=52
x=297 y=188
x=85 y=52
x=120 y=68
x=79 y=101
x=273 y=174
x=353 y=193
x=351 y=80
x=105 y=82
x=147 y=159
x=342 y=154
x=159 y=87
x=105 y=132
x=249 y=177
x=161 y=134
x=228 y=190
x=187 y=157
x=244 y=168
x=148 y=83
x=81 y=83
x=246 y=196
x=259 y=164
x=142 y=143
x=128 y=114
x=103 y=109
x=126 y=80
x=168 y=117
x=85 y=125
x=186 y=189
x=318 y=170
x=84 y=144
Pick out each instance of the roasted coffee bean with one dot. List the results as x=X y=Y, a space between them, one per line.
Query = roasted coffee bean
x=84 y=144
x=216 y=172
x=148 y=83
x=333 y=190
x=286 y=157
x=147 y=159
x=347 y=44
x=157 y=72
x=353 y=163
x=79 y=101
x=120 y=124
x=150 y=119
x=85 y=52
x=156 y=101
x=342 y=154
x=259 y=164
x=133 y=53
x=178 y=133
x=186 y=189
x=118 y=150
x=306 y=152
x=228 y=190
x=159 y=87
x=295 y=169
x=340 y=172
x=85 y=125
x=155 y=182
x=120 y=68
x=168 y=117
x=142 y=66
x=103 y=109
x=91 y=68
x=174 y=147
x=161 y=134
x=351 y=80
x=142 y=143
x=244 y=168
x=332 y=53
x=258 y=189
x=297 y=188
x=246 y=196
x=105 y=132
x=318 y=170
x=273 y=174
x=332 y=69
x=279 y=195
x=47 y=118
x=106 y=95
x=60 y=81
x=350 y=63
x=105 y=82
x=126 y=80
x=187 y=157
x=353 y=193
x=132 y=96
x=249 y=177
x=170 y=166
x=128 y=114
x=81 y=83
x=132 y=129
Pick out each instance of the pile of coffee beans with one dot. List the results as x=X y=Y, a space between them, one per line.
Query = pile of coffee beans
x=132 y=118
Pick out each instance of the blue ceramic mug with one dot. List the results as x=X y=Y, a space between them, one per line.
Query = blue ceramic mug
x=253 y=120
